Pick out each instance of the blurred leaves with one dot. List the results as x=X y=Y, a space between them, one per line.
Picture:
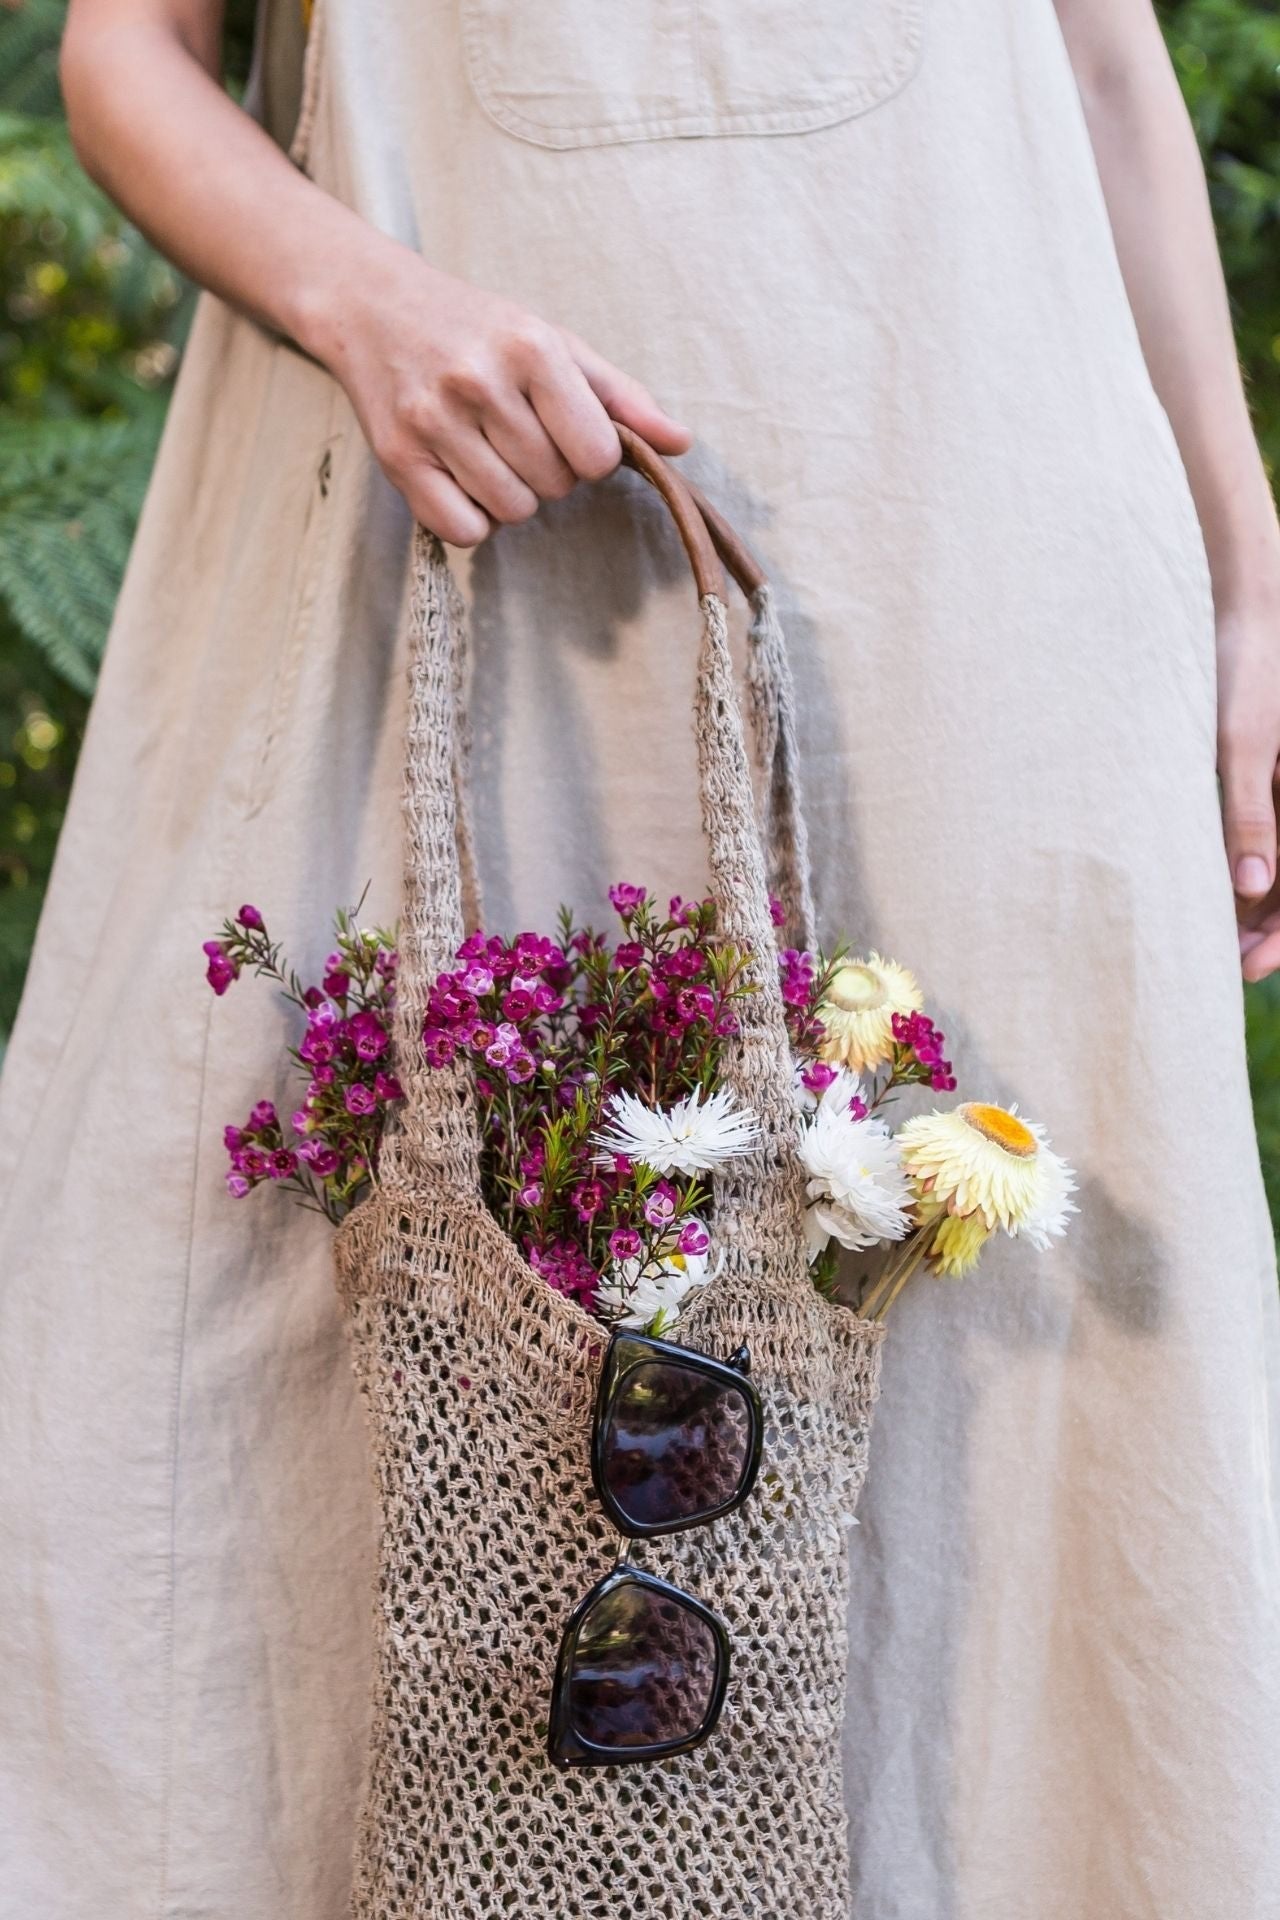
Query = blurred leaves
x=91 y=321
x=1227 y=56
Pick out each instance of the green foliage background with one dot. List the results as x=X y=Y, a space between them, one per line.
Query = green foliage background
x=91 y=324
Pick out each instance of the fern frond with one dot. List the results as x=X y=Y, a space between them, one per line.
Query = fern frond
x=70 y=494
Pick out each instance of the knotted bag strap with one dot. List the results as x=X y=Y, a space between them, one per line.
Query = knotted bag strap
x=435 y=1134
x=771 y=697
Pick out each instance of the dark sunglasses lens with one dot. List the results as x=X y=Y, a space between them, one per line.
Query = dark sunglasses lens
x=644 y=1670
x=676 y=1444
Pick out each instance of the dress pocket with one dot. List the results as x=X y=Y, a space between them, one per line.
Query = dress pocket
x=586 y=73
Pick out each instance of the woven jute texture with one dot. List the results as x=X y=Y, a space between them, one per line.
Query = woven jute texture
x=479 y=1382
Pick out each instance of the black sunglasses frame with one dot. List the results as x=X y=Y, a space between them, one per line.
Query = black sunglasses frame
x=565 y=1745
x=627 y=1351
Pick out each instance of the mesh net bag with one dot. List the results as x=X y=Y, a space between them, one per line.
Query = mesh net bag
x=479 y=1382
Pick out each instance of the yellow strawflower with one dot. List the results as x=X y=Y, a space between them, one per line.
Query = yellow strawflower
x=981 y=1169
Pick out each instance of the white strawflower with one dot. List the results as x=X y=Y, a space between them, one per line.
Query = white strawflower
x=695 y=1136
x=633 y=1296
x=857 y=1185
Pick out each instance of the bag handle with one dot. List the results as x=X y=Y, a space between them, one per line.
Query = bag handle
x=435 y=1126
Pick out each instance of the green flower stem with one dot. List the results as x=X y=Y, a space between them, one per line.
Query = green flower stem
x=896 y=1274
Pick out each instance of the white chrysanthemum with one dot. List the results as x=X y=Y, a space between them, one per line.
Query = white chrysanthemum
x=695 y=1136
x=857 y=1013
x=859 y=1191
x=989 y=1168
x=633 y=1296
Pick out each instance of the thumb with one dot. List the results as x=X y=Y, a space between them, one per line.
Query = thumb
x=625 y=400
x=1249 y=816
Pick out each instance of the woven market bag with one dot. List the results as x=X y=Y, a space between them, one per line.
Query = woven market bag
x=479 y=1382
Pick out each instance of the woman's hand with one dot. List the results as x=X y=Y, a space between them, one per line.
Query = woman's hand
x=1249 y=766
x=476 y=409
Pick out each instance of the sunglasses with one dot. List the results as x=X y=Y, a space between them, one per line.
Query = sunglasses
x=643 y=1666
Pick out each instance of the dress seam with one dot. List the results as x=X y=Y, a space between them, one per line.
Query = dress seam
x=169 y=1634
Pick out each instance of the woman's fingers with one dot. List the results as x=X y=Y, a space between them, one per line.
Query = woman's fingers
x=1260 y=947
x=517 y=434
x=1247 y=765
x=484 y=475
x=626 y=400
x=441 y=505
x=573 y=415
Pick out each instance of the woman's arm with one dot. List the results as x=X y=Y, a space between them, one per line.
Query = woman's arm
x=1159 y=208
x=476 y=408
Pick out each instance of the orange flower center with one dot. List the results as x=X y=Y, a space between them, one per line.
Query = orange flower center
x=1004 y=1129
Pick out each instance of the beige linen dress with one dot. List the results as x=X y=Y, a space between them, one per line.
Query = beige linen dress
x=860 y=246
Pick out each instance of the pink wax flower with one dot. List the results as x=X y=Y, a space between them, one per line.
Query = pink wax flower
x=625 y=1244
x=518 y=1004
x=695 y=1003
x=818 y=1076
x=232 y=1139
x=359 y=1099
x=917 y=1033
x=536 y=953
x=660 y=1205
x=237 y=1185
x=222 y=969
x=587 y=1199
x=777 y=912
x=387 y=1087
x=566 y=1268
x=438 y=1046
x=796 y=974
x=685 y=963
x=628 y=954
x=337 y=983
x=625 y=899
x=282 y=1163
x=694 y=1238
x=250 y=917
x=368 y=1035
x=263 y=1116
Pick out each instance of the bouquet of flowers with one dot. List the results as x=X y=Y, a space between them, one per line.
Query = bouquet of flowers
x=596 y=1067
